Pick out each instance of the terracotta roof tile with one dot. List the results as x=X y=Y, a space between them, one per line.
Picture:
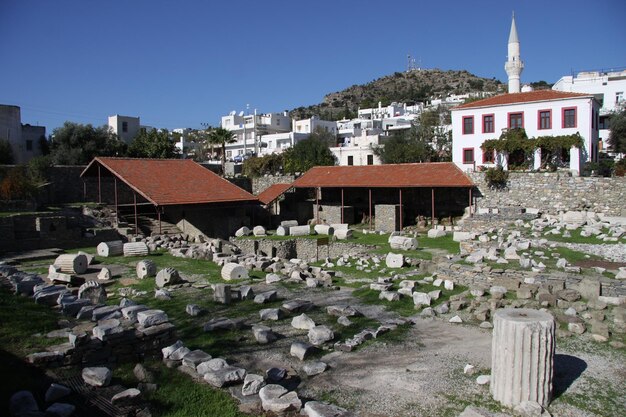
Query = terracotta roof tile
x=171 y=181
x=435 y=174
x=273 y=192
x=512 y=98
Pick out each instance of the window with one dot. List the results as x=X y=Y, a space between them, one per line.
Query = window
x=468 y=155
x=488 y=157
x=468 y=125
x=124 y=126
x=29 y=145
x=569 y=117
x=603 y=123
x=516 y=120
x=545 y=119
x=619 y=96
x=351 y=160
x=229 y=154
x=488 y=123
x=370 y=159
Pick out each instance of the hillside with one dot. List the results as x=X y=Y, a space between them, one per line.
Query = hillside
x=407 y=87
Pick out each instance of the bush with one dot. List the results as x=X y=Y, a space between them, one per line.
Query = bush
x=620 y=167
x=16 y=185
x=496 y=177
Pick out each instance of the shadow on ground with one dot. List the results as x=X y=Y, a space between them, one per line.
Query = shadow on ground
x=567 y=369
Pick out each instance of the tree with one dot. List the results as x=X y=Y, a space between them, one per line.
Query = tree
x=77 y=144
x=401 y=149
x=6 y=153
x=425 y=141
x=220 y=136
x=313 y=151
x=617 y=134
x=152 y=144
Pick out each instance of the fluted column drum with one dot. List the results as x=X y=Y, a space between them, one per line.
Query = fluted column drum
x=522 y=356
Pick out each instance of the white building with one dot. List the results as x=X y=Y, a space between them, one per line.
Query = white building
x=607 y=86
x=125 y=127
x=24 y=139
x=358 y=150
x=540 y=113
x=250 y=128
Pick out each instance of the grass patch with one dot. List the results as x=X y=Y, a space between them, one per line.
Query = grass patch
x=21 y=320
x=179 y=396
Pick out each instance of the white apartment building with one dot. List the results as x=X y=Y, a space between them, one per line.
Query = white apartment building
x=608 y=87
x=540 y=113
x=125 y=127
x=250 y=128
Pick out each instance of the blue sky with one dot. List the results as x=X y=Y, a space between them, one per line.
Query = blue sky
x=186 y=62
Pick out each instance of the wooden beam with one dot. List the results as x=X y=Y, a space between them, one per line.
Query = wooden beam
x=99 y=186
x=136 y=222
x=342 y=205
x=432 y=208
x=400 y=209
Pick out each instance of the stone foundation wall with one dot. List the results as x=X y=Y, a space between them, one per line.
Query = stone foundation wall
x=305 y=249
x=31 y=231
x=555 y=191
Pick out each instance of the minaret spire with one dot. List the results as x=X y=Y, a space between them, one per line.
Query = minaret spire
x=514 y=65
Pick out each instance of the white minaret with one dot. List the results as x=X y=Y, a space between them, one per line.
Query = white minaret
x=514 y=65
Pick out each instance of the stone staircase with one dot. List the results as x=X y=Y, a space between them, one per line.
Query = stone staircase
x=147 y=225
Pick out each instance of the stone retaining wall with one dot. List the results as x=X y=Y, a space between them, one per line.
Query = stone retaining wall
x=260 y=184
x=306 y=249
x=555 y=191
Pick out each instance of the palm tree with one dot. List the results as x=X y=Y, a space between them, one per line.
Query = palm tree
x=221 y=136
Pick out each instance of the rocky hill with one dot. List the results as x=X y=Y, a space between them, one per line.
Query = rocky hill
x=408 y=87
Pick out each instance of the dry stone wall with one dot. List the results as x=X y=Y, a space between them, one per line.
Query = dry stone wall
x=261 y=184
x=554 y=192
x=305 y=249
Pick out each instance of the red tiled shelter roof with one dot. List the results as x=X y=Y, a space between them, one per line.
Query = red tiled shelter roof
x=433 y=175
x=273 y=192
x=528 y=97
x=166 y=182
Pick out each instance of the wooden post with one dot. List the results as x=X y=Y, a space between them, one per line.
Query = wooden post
x=470 y=202
x=117 y=222
x=136 y=222
x=84 y=190
x=159 y=217
x=99 y=186
x=370 y=200
x=432 y=208
x=317 y=204
x=342 y=205
x=400 y=209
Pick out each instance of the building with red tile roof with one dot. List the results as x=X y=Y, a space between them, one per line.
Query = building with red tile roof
x=181 y=191
x=539 y=113
x=404 y=192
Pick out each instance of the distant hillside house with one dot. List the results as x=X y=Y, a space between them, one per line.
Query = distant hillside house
x=540 y=113
x=23 y=138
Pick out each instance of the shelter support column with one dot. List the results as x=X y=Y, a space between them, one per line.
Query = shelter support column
x=99 y=187
x=470 y=203
x=317 y=205
x=115 y=192
x=135 y=205
x=370 y=207
x=432 y=207
x=342 y=205
x=159 y=217
x=400 y=209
